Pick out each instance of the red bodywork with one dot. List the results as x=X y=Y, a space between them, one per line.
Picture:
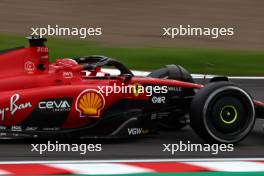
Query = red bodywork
x=27 y=78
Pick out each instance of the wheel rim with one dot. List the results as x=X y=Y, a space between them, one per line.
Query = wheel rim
x=228 y=114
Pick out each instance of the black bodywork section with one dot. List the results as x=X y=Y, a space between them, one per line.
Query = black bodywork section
x=53 y=117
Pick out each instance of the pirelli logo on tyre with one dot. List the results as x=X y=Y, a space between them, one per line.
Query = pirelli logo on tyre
x=90 y=103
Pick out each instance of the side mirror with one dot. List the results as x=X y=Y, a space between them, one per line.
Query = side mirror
x=36 y=41
x=127 y=77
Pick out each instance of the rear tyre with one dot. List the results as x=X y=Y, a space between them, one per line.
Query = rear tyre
x=174 y=120
x=222 y=112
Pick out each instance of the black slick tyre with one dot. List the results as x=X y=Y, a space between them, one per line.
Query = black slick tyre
x=222 y=112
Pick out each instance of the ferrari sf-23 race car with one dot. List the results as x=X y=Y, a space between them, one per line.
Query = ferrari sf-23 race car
x=76 y=98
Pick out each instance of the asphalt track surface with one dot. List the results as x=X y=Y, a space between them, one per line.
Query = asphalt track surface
x=145 y=148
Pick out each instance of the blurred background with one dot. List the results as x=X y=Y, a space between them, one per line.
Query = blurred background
x=132 y=31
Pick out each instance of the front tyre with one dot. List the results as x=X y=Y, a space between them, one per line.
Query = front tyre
x=222 y=112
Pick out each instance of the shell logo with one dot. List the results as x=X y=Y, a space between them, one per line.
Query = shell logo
x=90 y=103
x=138 y=88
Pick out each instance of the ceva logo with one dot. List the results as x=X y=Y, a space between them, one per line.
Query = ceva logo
x=55 y=105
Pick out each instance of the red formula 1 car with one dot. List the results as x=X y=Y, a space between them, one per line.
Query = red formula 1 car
x=75 y=98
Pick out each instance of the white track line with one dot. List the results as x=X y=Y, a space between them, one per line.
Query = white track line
x=132 y=161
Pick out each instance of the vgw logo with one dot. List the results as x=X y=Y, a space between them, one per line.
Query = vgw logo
x=137 y=131
x=55 y=105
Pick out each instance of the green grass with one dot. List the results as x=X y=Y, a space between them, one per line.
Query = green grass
x=196 y=174
x=208 y=61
